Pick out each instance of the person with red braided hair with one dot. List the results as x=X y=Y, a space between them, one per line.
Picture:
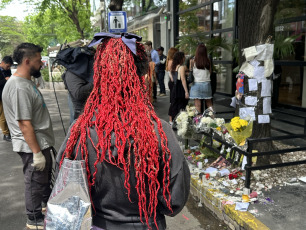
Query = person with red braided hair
x=137 y=173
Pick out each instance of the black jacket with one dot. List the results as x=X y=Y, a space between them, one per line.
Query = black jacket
x=79 y=90
x=114 y=211
x=2 y=82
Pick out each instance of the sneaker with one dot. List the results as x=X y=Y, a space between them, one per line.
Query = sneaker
x=7 y=138
x=162 y=94
x=170 y=123
x=37 y=223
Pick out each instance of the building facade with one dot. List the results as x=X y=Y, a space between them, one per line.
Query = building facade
x=204 y=20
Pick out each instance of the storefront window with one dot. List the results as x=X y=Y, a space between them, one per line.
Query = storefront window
x=143 y=32
x=185 y=4
x=223 y=14
x=290 y=9
x=288 y=86
x=224 y=78
x=226 y=41
x=195 y=21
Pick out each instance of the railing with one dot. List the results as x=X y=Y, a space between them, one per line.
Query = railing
x=249 y=154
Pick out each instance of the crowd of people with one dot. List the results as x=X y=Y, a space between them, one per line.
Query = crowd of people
x=114 y=129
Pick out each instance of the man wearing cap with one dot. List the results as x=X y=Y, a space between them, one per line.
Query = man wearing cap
x=161 y=71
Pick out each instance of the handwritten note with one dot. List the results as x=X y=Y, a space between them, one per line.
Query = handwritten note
x=265 y=88
x=248 y=69
x=259 y=73
x=250 y=100
x=247 y=113
x=266 y=105
x=253 y=85
x=254 y=63
x=269 y=67
x=250 y=53
x=264 y=51
x=263 y=119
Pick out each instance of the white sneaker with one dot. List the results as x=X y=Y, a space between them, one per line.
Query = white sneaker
x=170 y=123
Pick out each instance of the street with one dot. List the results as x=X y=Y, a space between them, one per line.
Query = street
x=12 y=209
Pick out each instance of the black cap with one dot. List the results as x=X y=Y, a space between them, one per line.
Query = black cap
x=160 y=48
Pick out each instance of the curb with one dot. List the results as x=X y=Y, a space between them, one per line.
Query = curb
x=236 y=220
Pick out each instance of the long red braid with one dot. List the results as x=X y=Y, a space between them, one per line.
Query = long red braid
x=118 y=105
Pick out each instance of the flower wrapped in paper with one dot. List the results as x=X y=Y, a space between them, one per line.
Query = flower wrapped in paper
x=184 y=121
x=239 y=129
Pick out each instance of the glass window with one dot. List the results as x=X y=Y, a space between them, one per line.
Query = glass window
x=185 y=4
x=290 y=9
x=143 y=32
x=287 y=88
x=223 y=14
x=195 y=21
x=220 y=46
x=290 y=41
x=224 y=78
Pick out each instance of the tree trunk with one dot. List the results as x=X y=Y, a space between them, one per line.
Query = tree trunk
x=255 y=23
x=115 y=5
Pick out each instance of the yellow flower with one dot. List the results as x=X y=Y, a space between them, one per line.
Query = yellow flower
x=218 y=128
x=243 y=122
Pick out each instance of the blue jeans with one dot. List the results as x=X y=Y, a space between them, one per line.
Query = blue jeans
x=160 y=78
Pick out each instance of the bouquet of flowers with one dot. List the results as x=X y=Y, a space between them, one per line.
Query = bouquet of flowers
x=239 y=129
x=184 y=122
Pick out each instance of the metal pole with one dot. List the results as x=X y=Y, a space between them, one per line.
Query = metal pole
x=248 y=165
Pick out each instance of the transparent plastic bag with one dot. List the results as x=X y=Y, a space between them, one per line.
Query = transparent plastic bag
x=69 y=205
x=240 y=136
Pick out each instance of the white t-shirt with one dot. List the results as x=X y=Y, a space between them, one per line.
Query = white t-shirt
x=23 y=101
x=200 y=75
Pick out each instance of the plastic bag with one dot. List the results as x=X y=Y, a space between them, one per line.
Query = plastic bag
x=69 y=205
x=240 y=136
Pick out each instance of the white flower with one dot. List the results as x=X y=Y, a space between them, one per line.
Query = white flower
x=191 y=113
x=182 y=123
x=207 y=120
x=219 y=121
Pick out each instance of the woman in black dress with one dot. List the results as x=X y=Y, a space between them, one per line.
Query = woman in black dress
x=179 y=94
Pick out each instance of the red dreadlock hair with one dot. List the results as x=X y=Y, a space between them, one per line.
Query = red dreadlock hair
x=118 y=105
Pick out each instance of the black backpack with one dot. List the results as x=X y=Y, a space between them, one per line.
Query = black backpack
x=78 y=60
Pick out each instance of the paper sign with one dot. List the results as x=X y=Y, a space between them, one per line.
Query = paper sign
x=233 y=103
x=263 y=119
x=264 y=51
x=266 y=105
x=244 y=162
x=225 y=183
x=247 y=69
x=253 y=85
x=246 y=113
x=269 y=67
x=259 y=73
x=250 y=53
x=265 y=88
x=254 y=63
x=250 y=100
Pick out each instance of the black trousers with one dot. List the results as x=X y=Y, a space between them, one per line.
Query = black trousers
x=37 y=183
x=160 y=78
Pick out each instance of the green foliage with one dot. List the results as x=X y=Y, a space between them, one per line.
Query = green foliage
x=4 y=3
x=58 y=30
x=45 y=74
x=283 y=46
x=10 y=34
x=73 y=13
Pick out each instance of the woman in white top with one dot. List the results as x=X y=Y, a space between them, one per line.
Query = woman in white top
x=201 y=89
